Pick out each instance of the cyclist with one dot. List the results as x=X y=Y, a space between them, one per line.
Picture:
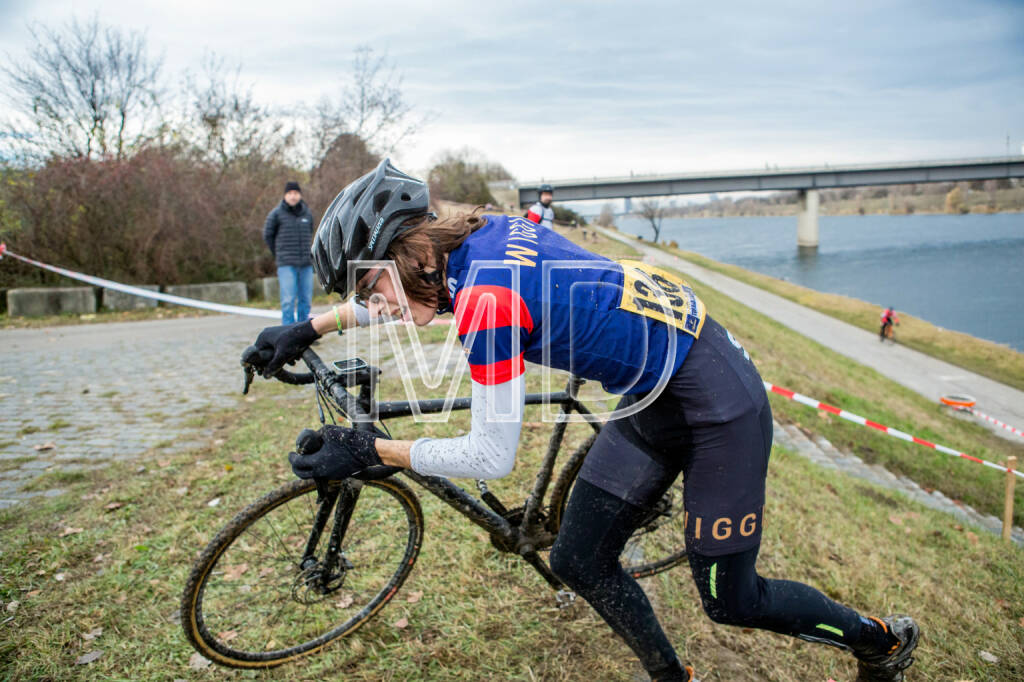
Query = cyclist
x=541 y=212
x=888 y=319
x=702 y=408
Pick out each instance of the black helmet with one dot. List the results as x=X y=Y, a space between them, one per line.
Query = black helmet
x=363 y=219
x=545 y=188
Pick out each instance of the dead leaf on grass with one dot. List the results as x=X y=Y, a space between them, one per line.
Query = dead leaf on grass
x=99 y=558
x=401 y=623
x=13 y=606
x=227 y=635
x=345 y=602
x=414 y=597
x=33 y=593
x=895 y=519
x=68 y=530
x=987 y=657
x=183 y=490
x=234 y=572
x=113 y=505
x=973 y=537
x=50 y=445
x=85 y=659
x=163 y=463
x=93 y=634
x=198 y=662
x=265 y=571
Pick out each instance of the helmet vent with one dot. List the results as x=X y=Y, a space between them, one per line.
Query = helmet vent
x=359 y=236
x=380 y=201
x=405 y=196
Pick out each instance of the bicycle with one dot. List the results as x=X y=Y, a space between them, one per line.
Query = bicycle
x=269 y=588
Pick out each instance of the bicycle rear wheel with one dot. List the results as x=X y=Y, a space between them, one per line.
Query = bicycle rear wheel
x=252 y=602
x=658 y=544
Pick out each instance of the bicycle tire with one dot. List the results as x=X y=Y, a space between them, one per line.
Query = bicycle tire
x=215 y=632
x=669 y=547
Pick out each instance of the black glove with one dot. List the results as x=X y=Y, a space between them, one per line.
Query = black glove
x=281 y=344
x=342 y=453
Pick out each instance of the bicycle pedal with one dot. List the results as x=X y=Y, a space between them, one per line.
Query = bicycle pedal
x=565 y=598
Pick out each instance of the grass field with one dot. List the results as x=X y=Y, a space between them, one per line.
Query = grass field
x=101 y=568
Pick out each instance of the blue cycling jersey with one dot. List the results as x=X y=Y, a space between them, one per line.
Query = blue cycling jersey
x=520 y=292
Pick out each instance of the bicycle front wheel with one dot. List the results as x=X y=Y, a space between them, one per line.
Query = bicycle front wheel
x=255 y=599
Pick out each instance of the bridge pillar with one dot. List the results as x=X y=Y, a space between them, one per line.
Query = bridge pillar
x=807 y=219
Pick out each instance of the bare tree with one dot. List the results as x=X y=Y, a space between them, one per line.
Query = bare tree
x=86 y=91
x=371 y=108
x=607 y=216
x=224 y=122
x=651 y=210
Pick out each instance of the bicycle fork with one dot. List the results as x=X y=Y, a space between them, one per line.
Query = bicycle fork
x=341 y=501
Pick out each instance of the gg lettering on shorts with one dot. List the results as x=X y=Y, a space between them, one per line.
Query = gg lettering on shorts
x=660 y=295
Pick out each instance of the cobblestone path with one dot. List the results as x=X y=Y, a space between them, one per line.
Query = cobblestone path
x=110 y=391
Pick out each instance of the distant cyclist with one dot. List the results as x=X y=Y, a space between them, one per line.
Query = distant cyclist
x=888 y=319
x=541 y=212
x=523 y=293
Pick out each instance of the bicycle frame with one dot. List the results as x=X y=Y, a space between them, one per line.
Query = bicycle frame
x=524 y=538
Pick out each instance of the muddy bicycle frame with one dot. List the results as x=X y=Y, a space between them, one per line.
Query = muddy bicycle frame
x=532 y=531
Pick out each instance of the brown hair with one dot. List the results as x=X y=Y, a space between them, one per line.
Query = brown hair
x=413 y=249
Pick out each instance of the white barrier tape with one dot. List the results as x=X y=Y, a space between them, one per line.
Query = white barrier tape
x=849 y=416
x=169 y=298
x=146 y=293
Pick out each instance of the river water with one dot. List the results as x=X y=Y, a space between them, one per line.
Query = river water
x=962 y=272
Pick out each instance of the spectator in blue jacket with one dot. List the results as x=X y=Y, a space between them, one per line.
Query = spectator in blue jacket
x=289 y=232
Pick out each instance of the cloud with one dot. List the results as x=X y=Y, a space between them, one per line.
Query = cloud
x=597 y=88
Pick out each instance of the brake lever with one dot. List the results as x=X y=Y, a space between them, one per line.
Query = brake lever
x=249 y=373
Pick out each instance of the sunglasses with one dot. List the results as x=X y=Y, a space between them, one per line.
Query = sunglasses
x=364 y=293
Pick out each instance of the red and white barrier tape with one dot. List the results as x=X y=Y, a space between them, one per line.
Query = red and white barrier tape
x=992 y=420
x=849 y=416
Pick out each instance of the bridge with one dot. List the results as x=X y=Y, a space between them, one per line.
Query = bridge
x=805 y=181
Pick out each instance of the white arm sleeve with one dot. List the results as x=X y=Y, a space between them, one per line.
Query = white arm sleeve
x=363 y=319
x=361 y=313
x=489 y=449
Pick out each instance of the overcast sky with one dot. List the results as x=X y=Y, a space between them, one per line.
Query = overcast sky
x=569 y=89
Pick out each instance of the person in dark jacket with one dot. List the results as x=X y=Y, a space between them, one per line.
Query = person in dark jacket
x=289 y=232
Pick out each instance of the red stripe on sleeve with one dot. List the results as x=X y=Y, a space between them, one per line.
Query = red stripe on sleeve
x=488 y=307
x=498 y=372
x=533 y=217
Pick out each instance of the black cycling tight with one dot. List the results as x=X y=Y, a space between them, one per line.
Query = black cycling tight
x=586 y=557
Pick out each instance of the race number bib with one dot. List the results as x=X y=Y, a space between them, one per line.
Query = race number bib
x=660 y=295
